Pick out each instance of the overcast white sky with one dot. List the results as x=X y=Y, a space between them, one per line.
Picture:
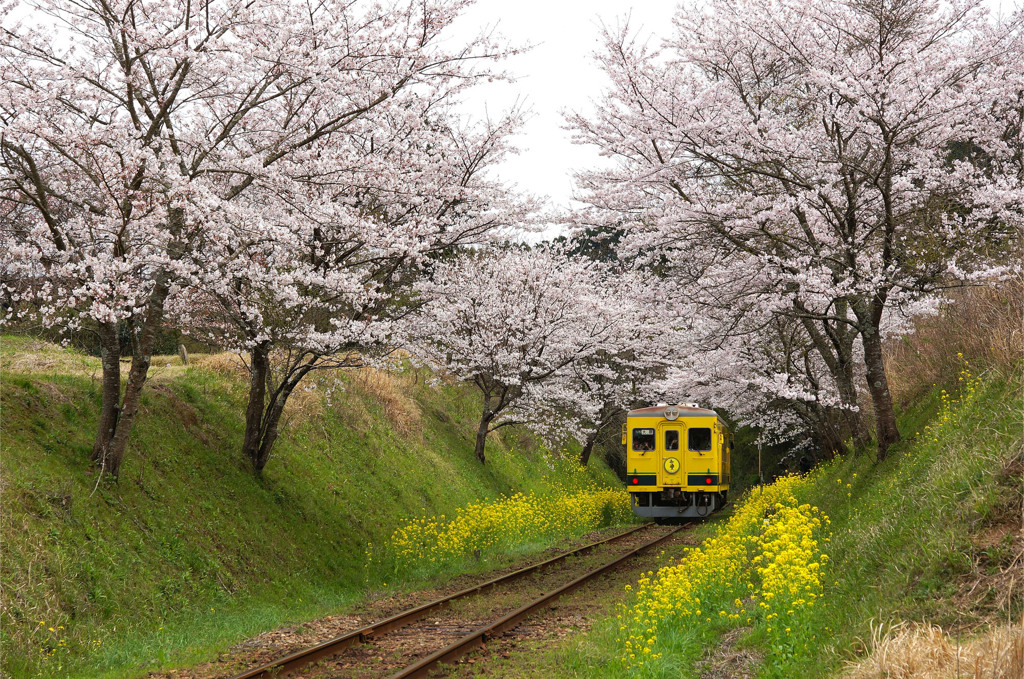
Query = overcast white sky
x=559 y=74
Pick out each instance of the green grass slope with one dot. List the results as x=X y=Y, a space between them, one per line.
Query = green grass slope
x=189 y=551
x=931 y=535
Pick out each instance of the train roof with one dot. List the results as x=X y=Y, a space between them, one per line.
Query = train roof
x=682 y=410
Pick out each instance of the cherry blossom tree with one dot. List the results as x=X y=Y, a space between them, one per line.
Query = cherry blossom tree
x=327 y=289
x=514 y=322
x=806 y=148
x=595 y=392
x=765 y=375
x=140 y=135
x=602 y=389
x=773 y=343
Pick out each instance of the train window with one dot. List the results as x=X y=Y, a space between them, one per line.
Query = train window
x=643 y=440
x=672 y=439
x=699 y=438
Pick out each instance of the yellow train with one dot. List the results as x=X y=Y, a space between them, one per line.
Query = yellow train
x=677 y=461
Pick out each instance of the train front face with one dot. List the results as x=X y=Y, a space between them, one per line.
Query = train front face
x=677 y=461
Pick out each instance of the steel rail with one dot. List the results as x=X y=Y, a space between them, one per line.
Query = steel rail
x=291 y=663
x=477 y=638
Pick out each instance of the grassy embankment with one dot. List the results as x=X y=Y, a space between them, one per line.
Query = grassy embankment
x=924 y=555
x=189 y=551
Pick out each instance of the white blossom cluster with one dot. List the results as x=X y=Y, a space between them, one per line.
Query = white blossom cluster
x=792 y=181
x=267 y=174
x=550 y=339
x=812 y=172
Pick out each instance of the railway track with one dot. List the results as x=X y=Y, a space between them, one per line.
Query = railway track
x=469 y=639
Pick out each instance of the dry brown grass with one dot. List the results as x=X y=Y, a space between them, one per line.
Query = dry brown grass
x=309 y=400
x=985 y=324
x=39 y=357
x=225 y=363
x=36 y=357
x=391 y=391
x=914 y=651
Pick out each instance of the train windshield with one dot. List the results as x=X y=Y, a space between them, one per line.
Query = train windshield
x=643 y=440
x=672 y=439
x=699 y=438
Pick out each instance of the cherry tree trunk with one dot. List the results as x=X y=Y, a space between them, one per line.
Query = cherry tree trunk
x=878 y=386
x=482 y=430
x=110 y=356
x=263 y=412
x=261 y=436
x=266 y=405
x=142 y=356
x=588 y=447
x=852 y=420
x=259 y=368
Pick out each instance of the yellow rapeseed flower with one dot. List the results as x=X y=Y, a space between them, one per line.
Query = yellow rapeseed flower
x=768 y=551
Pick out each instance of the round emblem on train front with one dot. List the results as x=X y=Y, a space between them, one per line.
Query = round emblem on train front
x=671 y=465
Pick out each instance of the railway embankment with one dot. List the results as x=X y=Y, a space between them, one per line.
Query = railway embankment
x=919 y=556
x=190 y=552
x=921 y=575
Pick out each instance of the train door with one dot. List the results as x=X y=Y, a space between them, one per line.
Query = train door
x=670 y=445
x=726 y=457
x=701 y=461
